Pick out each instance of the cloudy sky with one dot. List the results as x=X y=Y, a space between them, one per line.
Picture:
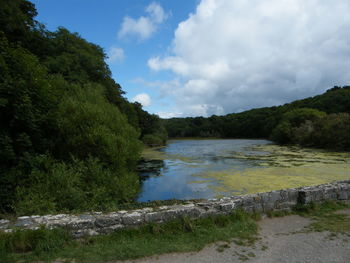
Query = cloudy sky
x=204 y=57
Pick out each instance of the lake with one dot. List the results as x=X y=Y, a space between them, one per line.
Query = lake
x=196 y=169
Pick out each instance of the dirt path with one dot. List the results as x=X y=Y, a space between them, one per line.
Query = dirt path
x=281 y=241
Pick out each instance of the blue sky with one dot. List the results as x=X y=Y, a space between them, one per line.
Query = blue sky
x=203 y=57
x=100 y=21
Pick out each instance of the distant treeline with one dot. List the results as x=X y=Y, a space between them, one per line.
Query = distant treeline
x=69 y=140
x=320 y=121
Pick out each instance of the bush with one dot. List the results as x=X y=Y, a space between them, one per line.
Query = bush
x=153 y=140
x=308 y=127
x=41 y=240
x=333 y=131
x=89 y=125
x=296 y=126
x=76 y=186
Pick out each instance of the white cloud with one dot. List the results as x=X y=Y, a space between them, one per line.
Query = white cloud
x=168 y=115
x=115 y=54
x=230 y=56
x=157 y=13
x=142 y=98
x=165 y=88
x=145 y=26
x=142 y=27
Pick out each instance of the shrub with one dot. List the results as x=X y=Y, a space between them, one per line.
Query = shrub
x=333 y=131
x=296 y=126
x=76 y=186
x=153 y=140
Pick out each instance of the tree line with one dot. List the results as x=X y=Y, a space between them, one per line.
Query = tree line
x=320 y=121
x=69 y=140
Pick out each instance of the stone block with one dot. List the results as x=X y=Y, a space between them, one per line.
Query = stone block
x=132 y=218
x=171 y=214
x=24 y=221
x=106 y=221
x=4 y=223
x=275 y=196
x=293 y=195
x=155 y=217
x=258 y=208
x=78 y=224
x=227 y=207
x=193 y=212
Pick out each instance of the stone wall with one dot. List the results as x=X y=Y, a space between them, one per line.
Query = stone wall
x=99 y=223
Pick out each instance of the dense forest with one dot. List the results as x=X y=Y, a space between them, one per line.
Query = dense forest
x=69 y=140
x=320 y=121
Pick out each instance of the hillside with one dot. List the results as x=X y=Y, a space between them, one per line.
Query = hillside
x=260 y=123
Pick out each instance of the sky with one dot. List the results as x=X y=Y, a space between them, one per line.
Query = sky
x=182 y=58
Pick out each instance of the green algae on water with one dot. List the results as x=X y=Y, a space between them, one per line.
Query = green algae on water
x=280 y=167
x=155 y=153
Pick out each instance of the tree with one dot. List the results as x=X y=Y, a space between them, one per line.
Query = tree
x=296 y=126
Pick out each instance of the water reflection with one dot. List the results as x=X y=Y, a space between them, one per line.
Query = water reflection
x=148 y=168
x=171 y=172
x=194 y=169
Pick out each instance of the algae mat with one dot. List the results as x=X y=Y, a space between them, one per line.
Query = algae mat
x=279 y=167
x=195 y=169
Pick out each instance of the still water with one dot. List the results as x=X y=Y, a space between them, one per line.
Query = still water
x=195 y=169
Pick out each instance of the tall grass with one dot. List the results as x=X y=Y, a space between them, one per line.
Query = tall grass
x=176 y=236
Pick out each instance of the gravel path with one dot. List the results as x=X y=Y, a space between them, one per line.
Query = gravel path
x=281 y=241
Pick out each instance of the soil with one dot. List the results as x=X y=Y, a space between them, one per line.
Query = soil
x=281 y=240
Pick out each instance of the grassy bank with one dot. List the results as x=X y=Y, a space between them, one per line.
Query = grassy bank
x=153 y=239
x=176 y=236
x=325 y=218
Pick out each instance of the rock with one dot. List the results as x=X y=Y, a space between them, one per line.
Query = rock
x=99 y=223
x=133 y=218
x=4 y=223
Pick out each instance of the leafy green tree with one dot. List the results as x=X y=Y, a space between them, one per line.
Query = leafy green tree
x=90 y=126
x=259 y=123
x=17 y=20
x=74 y=58
x=80 y=185
x=296 y=126
x=153 y=132
x=69 y=140
x=27 y=103
x=333 y=131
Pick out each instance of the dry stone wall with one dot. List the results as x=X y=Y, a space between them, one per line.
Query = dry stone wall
x=99 y=223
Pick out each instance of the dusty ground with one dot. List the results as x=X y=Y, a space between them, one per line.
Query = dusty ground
x=281 y=241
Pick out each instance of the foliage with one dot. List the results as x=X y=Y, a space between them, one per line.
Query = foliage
x=296 y=126
x=153 y=132
x=16 y=19
x=75 y=58
x=27 y=103
x=333 y=131
x=152 y=140
x=308 y=127
x=102 y=131
x=76 y=186
x=69 y=140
